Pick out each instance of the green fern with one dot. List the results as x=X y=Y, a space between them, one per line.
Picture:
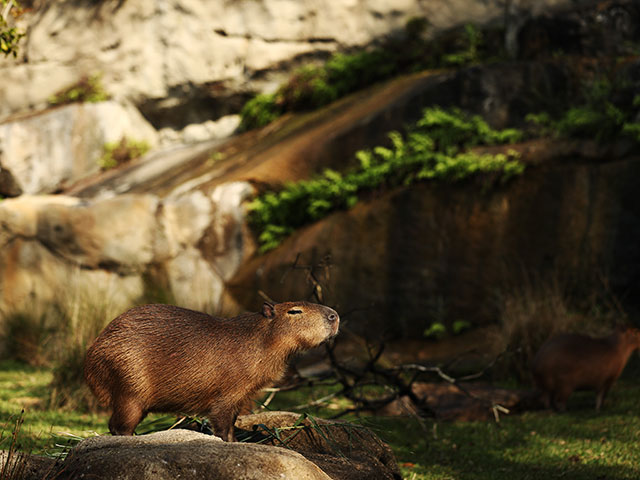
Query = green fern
x=435 y=149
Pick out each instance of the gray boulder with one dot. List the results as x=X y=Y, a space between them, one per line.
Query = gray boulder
x=183 y=454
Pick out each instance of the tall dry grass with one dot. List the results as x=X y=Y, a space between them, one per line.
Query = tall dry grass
x=533 y=311
x=58 y=336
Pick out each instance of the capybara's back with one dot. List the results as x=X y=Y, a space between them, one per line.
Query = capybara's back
x=570 y=362
x=163 y=358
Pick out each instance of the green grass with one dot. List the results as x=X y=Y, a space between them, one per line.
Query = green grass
x=27 y=388
x=580 y=444
x=536 y=445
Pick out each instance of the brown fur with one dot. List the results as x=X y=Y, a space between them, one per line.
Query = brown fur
x=163 y=358
x=571 y=362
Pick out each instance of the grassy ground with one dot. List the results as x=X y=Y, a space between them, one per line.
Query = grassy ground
x=536 y=445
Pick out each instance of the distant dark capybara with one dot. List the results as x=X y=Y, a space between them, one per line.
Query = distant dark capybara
x=569 y=362
x=163 y=358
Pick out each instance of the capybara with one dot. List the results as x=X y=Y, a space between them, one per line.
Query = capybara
x=163 y=358
x=569 y=362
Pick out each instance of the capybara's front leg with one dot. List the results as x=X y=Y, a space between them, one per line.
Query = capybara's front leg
x=223 y=423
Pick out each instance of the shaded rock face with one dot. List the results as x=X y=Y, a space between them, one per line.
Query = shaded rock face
x=431 y=252
x=44 y=153
x=52 y=245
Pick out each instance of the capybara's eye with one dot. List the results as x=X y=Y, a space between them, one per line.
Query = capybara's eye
x=294 y=312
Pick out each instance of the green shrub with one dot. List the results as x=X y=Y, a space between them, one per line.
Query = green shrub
x=87 y=89
x=9 y=36
x=308 y=88
x=118 y=153
x=311 y=87
x=469 y=52
x=261 y=110
x=347 y=73
x=595 y=116
x=436 y=331
x=435 y=149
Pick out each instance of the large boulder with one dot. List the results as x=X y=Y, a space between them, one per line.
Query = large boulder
x=183 y=454
x=51 y=246
x=308 y=448
x=48 y=151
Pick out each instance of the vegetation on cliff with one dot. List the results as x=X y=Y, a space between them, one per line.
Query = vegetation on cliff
x=313 y=86
x=437 y=147
x=605 y=110
x=88 y=89
x=9 y=34
x=124 y=151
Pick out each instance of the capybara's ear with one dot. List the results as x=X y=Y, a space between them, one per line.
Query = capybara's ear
x=268 y=310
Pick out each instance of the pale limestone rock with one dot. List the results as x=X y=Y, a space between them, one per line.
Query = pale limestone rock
x=233 y=243
x=32 y=279
x=50 y=243
x=224 y=126
x=151 y=50
x=185 y=219
x=47 y=151
x=194 y=283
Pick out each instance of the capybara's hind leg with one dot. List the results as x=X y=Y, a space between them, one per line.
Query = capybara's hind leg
x=126 y=416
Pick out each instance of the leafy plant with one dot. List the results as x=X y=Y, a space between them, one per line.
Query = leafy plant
x=9 y=36
x=595 y=116
x=118 y=153
x=470 y=50
x=87 y=89
x=436 y=331
x=261 y=110
x=312 y=87
x=436 y=148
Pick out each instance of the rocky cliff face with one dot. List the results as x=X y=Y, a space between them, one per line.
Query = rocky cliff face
x=175 y=218
x=442 y=253
x=187 y=61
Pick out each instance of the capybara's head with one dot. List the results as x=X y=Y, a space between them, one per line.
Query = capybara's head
x=309 y=323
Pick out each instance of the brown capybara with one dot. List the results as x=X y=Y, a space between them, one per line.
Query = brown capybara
x=569 y=362
x=163 y=358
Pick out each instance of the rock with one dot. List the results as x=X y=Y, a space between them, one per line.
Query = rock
x=224 y=126
x=45 y=152
x=26 y=467
x=189 y=61
x=344 y=451
x=434 y=249
x=195 y=133
x=199 y=132
x=190 y=242
x=183 y=454
x=341 y=451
